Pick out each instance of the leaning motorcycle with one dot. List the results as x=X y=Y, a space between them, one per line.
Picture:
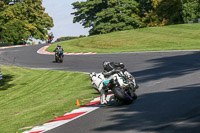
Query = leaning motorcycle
x=50 y=39
x=121 y=85
x=59 y=56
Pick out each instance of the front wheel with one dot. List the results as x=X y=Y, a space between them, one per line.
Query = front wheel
x=61 y=59
x=56 y=58
x=122 y=95
x=134 y=96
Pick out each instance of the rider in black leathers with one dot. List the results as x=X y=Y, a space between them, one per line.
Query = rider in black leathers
x=111 y=68
x=58 y=48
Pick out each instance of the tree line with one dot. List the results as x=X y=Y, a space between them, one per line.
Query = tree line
x=104 y=16
x=21 y=20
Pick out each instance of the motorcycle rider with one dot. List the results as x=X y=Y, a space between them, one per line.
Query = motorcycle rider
x=97 y=80
x=50 y=37
x=110 y=68
x=58 y=50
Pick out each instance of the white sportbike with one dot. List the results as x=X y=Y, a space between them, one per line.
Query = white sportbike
x=122 y=84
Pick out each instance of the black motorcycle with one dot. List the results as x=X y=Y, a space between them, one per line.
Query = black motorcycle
x=59 y=56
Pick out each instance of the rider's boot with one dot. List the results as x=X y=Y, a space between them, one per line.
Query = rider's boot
x=103 y=97
x=136 y=86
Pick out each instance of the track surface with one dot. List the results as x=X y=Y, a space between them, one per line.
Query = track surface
x=169 y=94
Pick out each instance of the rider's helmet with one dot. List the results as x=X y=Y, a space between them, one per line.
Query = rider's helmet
x=58 y=45
x=105 y=63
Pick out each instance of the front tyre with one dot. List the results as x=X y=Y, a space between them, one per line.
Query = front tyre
x=122 y=96
x=134 y=96
x=56 y=58
x=61 y=59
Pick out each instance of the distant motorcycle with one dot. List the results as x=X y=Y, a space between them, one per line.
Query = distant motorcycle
x=50 y=39
x=120 y=84
x=59 y=56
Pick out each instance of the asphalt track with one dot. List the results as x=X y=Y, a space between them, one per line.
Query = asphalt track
x=168 y=98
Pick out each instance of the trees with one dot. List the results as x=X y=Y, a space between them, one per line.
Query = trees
x=191 y=10
x=148 y=14
x=170 y=10
x=104 y=16
x=22 y=20
x=160 y=12
x=13 y=32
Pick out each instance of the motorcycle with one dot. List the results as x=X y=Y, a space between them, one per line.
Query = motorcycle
x=121 y=84
x=50 y=39
x=59 y=56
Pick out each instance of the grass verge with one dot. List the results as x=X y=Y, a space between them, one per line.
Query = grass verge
x=174 y=37
x=31 y=97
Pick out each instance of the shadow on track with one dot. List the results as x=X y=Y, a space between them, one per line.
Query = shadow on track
x=4 y=84
x=170 y=67
x=54 y=62
x=162 y=112
x=174 y=110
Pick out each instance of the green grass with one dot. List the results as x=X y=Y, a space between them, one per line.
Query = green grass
x=174 y=37
x=31 y=97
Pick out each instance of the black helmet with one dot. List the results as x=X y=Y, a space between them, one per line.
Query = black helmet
x=58 y=45
x=105 y=63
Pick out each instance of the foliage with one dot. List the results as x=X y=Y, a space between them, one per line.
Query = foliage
x=32 y=20
x=14 y=32
x=105 y=16
x=191 y=10
x=160 y=12
x=170 y=10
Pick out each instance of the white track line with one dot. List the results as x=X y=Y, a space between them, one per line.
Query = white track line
x=93 y=105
